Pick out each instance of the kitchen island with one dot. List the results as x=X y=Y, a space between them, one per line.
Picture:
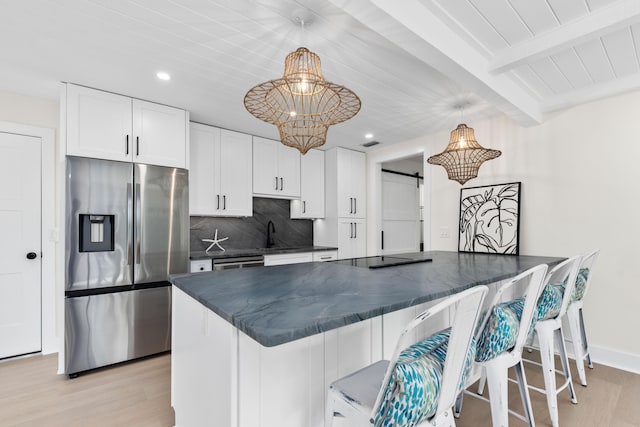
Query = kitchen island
x=258 y=347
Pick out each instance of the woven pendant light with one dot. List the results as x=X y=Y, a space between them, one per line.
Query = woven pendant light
x=302 y=104
x=463 y=156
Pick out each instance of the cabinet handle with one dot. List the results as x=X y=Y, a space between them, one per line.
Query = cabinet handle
x=304 y=207
x=224 y=202
x=276 y=183
x=351 y=227
x=281 y=184
x=137 y=145
x=350 y=205
x=382 y=239
x=127 y=153
x=355 y=205
x=325 y=257
x=218 y=198
x=355 y=230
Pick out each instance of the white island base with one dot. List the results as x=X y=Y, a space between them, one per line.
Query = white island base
x=221 y=377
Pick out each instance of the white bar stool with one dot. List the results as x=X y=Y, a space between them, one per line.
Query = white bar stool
x=575 y=318
x=420 y=383
x=552 y=306
x=499 y=343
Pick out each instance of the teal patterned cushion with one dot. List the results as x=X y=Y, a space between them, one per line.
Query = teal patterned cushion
x=412 y=393
x=581 y=285
x=550 y=301
x=500 y=331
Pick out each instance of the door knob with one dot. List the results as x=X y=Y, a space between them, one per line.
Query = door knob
x=31 y=255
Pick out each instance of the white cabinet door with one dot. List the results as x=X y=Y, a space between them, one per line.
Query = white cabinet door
x=235 y=166
x=311 y=203
x=200 y=265
x=204 y=185
x=345 y=238
x=345 y=198
x=160 y=134
x=220 y=173
x=282 y=259
x=289 y=171
x=106 y=126
x=325 y=256
x=352 y=185
x=352 y=238
x=265 y=166
x=276 y=169
x=359 y=245
x=98 y=124
x=359 y=184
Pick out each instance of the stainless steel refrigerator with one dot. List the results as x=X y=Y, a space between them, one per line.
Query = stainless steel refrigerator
x=127 y=230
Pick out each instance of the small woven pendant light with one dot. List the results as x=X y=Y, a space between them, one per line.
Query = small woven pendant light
x=463 y=156
x=302 y=104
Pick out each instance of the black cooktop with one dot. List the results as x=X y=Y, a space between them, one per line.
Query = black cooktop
x=380 y=261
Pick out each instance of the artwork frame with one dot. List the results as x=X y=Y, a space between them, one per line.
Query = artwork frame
x=500 y=204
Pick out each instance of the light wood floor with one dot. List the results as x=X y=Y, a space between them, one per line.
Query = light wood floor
x=133 y=394
x=138 y=394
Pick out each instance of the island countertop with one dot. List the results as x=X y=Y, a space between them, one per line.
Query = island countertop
x=276 y=305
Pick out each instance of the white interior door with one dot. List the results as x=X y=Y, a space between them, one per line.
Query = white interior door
x=20 y=245
x=400 y=214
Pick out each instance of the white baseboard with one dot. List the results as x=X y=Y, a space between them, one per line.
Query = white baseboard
x=616 y=359
x=613 y=358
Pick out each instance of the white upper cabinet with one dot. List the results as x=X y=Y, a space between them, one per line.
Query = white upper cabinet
x=220 y=172
x=311 y=203
x=98 y=124
x=160 y=134
x=276 y=169
x=351 y=190
x=107 y=126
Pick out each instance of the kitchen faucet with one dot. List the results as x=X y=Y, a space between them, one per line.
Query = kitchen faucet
x=270 y=229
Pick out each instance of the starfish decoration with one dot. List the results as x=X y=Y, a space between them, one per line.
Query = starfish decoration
x=214 y=242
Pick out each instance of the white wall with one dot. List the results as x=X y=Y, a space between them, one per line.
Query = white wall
x=580 y=175
x=43 y=113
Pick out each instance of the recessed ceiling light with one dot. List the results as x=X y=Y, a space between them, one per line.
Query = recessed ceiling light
x=163 y=76
x=369 y=136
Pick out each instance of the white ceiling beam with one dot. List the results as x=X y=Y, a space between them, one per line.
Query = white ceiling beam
x=596 y=24
x=413 y=27
x=592 y=93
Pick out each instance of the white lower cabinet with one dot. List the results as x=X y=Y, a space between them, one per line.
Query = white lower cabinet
x=351 y=238
x=324 y=256
x=282 y=259
x=318 y=256
x=200 y=265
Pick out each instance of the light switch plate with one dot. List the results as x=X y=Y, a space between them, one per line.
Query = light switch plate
x=444 y=233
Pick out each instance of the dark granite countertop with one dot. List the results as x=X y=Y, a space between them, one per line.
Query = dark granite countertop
x=276 y=305
x=232 y=253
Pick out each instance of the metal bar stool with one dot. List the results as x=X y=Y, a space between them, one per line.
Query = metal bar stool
x=500 y=340
x=575 y=318
x=420 y=383
x=552 y=306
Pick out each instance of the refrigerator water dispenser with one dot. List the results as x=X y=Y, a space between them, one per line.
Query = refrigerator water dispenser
x=96 y=233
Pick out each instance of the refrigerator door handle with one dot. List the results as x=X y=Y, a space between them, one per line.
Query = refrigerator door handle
x=138 y=228
x=129 y=222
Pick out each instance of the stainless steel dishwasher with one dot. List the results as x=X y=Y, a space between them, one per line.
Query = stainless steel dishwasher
x=238 y=262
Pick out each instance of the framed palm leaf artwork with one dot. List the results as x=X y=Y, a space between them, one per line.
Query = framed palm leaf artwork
x=490 y=219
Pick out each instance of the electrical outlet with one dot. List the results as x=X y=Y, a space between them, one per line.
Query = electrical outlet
x=444 y=233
